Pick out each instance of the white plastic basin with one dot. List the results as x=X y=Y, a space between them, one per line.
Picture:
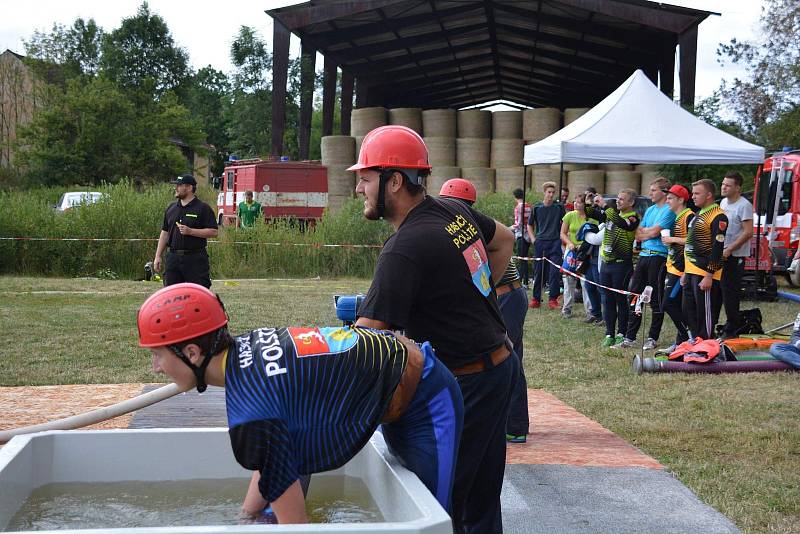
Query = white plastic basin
x=28 y=462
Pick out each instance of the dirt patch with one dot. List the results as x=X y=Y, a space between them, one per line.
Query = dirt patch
x=32 y=405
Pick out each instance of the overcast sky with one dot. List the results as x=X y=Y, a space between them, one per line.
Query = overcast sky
x=206 y=29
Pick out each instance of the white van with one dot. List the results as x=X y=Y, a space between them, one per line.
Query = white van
x=76 y=198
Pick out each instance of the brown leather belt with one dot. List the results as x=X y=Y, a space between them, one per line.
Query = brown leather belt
x=497 y=357
x=505 y=288
x=406 y=388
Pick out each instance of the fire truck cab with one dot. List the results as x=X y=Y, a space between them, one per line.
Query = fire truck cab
x=776 y=217
x=297 y=190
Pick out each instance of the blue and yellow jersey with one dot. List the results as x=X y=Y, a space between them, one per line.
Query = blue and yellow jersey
x=705 y=242
x=675 y=260
x=305 y=400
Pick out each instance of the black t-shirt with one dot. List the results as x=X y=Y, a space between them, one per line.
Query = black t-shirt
x=433 y=281
x=195 y=214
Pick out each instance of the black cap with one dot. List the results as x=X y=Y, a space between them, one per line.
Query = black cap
x=184 y=179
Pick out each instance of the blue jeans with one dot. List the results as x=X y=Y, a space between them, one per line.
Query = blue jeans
x=592 y=291
x=786 y=352
x=514 y=307
x=615 y=305
x=426 y=437
x=551 y=249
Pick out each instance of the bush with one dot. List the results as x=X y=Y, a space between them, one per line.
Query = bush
x=280 y=248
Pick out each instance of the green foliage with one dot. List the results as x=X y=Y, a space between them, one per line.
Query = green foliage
x=76 y=50
x=95 y=133
x=765 y=103
x=251 y=59
x=206 y=95
x=280 y=248
x=142 y=55
x=498 y=206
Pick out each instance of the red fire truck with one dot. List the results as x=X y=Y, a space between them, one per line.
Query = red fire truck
x=776 y=220
x=292 y=189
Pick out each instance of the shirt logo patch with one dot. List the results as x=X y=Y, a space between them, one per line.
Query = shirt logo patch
x=319 y=341
x=475 y=256
x=194 y=215
x=722 y=226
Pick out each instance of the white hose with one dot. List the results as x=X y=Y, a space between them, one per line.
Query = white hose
x=98 y=415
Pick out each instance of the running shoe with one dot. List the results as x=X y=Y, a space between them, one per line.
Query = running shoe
x=625 y=343
x=552 y=304
x=534 y=303
x=650 y=344
x=608 y=341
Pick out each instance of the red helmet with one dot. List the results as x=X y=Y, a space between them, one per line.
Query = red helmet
x=394 y=147
x=459 y=188
x=177 y=313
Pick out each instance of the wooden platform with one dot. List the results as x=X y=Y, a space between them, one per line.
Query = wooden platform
x=186 y=410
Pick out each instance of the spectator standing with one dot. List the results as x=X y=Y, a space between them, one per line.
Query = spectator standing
x=564 y=199
x=571 y=223
x=616 y=262
x=591 y=293
x=522 y=211
x=739 y=212
x=672 y=299
x=651 y=266
x=705 y=241
x=249 y=211
x=188 y=223
x=544 y=230
x=434 y=279
x=513 y=302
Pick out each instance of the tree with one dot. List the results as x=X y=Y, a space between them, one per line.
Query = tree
x=206 y=95
x=142 y=55
x=766 y=101
x=94 y=132
x=249 y=108
x=75 y=50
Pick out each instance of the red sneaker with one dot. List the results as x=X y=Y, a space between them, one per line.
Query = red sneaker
x=534 y=303
x=553 y=304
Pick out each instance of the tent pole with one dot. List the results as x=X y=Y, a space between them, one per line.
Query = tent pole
x=560 y=181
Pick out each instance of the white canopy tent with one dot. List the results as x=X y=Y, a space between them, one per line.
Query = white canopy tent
x=637 y=123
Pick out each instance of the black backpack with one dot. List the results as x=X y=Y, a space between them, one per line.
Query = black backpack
x=749 y=323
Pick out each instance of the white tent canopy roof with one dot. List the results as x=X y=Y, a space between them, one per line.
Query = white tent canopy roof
x=637 y=123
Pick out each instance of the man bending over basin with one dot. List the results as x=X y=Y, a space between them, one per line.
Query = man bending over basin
x=305 y=400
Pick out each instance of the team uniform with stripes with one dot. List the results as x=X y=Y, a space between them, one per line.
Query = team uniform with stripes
x=305 y=400
x=673 y=291
x=705 y=242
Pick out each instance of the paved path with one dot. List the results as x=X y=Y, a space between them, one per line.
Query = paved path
x=572 y=476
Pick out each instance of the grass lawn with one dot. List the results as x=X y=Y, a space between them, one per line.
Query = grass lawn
x=733 y=439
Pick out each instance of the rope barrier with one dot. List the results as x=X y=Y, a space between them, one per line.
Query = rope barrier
x=579 y=277
x=211 y=241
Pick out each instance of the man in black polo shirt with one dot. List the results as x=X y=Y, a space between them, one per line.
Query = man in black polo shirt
x=435 y=279
x=187 y=224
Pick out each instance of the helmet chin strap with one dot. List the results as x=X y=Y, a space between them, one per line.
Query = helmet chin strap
x=384 y=176
x=199 y=371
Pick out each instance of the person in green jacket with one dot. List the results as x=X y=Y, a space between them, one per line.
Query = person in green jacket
x=249 y=211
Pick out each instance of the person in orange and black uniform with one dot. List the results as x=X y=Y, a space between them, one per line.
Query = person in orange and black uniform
x=188 y=223
x=705 y=242
x=671 y=304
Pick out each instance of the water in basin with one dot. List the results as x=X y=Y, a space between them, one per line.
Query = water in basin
x=58 y=506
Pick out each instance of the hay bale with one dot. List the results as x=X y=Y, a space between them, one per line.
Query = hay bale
x=509 y=178
x=439 y=123
x=648 y=177
x=541 y=174
x=507 y=152
x=341 y=182
x=473 y=152
x=363 y=120
x=646 y=167
x=579 y=181
x=358 y=139
x=506 y=125
x=618 y=180
x=438 y=176
x=539 y=123
x=441 y=151
x=570 y=114
x=408 y=117
x=568 y=167
x=617 y=167
x=474 y=123
x=481 y=177
x=338 y=150
x=335 y=202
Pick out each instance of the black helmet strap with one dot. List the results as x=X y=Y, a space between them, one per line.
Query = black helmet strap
x=200 y=370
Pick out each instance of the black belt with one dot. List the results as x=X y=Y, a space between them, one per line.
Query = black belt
x=185 y=252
